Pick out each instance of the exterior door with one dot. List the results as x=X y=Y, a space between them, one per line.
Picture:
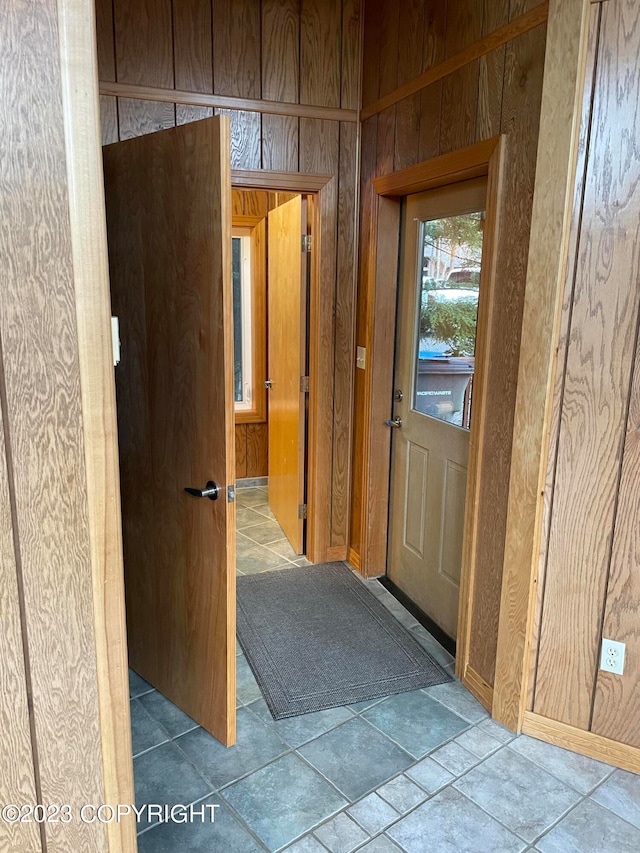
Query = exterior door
x=435 y=335
x=287 y=308
x=169 y=232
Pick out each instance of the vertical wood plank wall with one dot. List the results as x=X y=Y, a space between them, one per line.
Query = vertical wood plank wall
x=589 y=584
x=288 y=51
x=48 y=561
x=17 y=779
x=499 y=93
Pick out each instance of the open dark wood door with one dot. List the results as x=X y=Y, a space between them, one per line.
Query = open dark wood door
x=287 y=365
x=169 y=229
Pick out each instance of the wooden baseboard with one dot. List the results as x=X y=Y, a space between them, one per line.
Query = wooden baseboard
x=336 y=552
x=480 y=688
x=586 y=743
x=353 y=558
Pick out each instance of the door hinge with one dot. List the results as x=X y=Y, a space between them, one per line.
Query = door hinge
x=306 y=242
x=302 y=510
x=304 y=384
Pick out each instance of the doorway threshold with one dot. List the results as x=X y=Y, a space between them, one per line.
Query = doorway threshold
x=251 y=482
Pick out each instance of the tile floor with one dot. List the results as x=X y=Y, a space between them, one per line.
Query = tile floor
x=420 y=771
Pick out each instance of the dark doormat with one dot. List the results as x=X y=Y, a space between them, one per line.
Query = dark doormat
x=315 y=638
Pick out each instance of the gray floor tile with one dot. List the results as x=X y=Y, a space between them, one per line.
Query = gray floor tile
x=402 y=794
x=458 y=699
x=455 y=758
x=429 y=775
x=517 y=792
x=265 y=533
x=247 y=689
x=479 y=742
x=590 y=828
x=256 y=559
x=359 y=707
x=415 y=721
x=247 y=517
x=341 y=834
x=284 y=565
x=308 y=844
x=298 y=730
x=265 y=511
x=225 y=833
x=450 y=823
x=137 y=685
x=374 y=586
x=251 y=497
x=255 y=747
x=170 y=717
x=164 y=776
x=302 y=561
x=578 y=771
x=245 y=547
x=356 y=758
x=373 y=813
x=407 y=619
x=431 y=645
x=145 y=732
x=283 y=801
x=621 y=794
x=283 y=548
x=496 y=730
x=381 y=844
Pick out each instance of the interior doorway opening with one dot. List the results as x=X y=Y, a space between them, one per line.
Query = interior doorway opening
x=272 y=245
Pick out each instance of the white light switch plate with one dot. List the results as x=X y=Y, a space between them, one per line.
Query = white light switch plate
x=612 y=656
x=115 y=340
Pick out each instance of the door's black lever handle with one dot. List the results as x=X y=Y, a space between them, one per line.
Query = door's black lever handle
x=211 y=491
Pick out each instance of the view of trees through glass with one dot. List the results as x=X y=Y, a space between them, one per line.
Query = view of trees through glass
x=449 y=284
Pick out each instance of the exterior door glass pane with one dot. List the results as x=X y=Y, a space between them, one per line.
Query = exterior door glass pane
x=448 y=288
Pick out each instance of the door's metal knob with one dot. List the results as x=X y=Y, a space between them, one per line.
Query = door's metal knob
x=396 y=422
x=211 y=491
x=267 y=383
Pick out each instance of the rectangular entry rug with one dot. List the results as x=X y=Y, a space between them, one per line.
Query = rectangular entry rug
x=316 y=637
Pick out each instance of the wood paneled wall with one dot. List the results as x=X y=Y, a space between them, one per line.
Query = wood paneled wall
x=589 y=583
x=498 y=93
x=62 y=659
x=287 y=51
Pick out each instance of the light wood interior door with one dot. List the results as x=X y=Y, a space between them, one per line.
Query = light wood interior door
x=430 y=448
x=169 y=231
x=287 y=265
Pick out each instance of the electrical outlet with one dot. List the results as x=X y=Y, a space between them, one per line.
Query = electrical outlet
x=612 y=656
